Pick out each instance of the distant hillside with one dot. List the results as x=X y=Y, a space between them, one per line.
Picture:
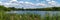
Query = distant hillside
x=36 y=9
x=40 y=9
x=50 y=9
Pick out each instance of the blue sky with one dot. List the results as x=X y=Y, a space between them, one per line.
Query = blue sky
x=30 y=3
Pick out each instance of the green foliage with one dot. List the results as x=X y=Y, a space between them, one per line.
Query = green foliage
x=4 y=8
x=27 y=16
x=5 y=16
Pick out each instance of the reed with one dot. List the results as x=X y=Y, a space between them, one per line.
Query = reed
x=28 y=16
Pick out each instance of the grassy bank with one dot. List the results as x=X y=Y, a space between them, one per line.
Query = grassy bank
x=27 y=16
x=19 y=16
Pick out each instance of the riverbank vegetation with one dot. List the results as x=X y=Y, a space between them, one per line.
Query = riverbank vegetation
x=27 y=16
x=36 y=9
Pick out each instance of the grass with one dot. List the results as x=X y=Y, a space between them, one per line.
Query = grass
x=27 y=16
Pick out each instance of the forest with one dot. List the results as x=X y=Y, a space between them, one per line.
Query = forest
x=22 y=9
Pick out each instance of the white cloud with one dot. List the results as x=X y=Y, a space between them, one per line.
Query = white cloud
x=7 y=3
x=24 y=4
x=27 y=2
x=42 y=4
x=21 y=2
x=15 y=3
x=13 y=0
x=52 y=3
x=0 y=2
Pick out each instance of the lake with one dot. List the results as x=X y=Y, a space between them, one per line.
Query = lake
x=35 y=12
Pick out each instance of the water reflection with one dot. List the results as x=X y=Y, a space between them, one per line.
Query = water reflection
x=35 y=12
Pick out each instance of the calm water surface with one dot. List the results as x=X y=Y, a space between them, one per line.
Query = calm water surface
x=35 y=12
